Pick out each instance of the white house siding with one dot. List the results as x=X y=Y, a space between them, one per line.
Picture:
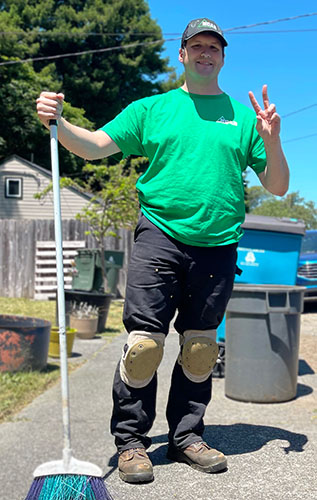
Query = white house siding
x=34 y=181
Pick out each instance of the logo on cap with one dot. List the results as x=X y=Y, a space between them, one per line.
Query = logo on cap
x=207 y=24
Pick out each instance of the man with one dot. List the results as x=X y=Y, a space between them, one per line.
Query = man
x=198 y=141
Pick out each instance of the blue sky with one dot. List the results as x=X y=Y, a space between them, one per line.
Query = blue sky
x=286 y=61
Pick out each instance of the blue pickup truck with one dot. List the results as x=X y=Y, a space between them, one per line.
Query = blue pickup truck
x=307 y=266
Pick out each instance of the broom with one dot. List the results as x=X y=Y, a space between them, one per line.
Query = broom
x=66 y=479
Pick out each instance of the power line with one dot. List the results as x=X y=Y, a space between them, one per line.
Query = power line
x=93 y=51
x=83 y=33
x=300 y=138
x=299 y=110
x=270 y=22
x=271 y=31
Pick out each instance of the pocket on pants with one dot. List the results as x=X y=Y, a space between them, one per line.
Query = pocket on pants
x=151 y=292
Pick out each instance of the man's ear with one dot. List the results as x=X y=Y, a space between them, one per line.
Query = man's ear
x=223 y=60
x=181 y=55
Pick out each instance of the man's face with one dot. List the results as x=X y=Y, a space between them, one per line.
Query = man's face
x=202 y=56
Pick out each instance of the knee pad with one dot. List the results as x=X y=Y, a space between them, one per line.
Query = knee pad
x=142 y=358
x=199 y=353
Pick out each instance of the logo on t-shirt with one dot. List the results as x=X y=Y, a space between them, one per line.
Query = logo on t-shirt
x=222 y=119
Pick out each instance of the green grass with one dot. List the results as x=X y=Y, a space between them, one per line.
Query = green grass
x=19 y=389
x=44 y=309
x=114 y=323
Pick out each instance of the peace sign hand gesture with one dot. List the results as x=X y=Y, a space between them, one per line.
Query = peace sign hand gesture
x=268 y=121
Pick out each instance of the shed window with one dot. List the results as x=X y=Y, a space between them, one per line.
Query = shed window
x=13 y=187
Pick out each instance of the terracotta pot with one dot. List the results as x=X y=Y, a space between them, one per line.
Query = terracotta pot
x=53 y=349
x=86 y=327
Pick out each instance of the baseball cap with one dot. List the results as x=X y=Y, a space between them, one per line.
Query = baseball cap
x=202 y=24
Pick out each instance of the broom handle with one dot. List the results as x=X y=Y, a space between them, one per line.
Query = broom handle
x=60 y=292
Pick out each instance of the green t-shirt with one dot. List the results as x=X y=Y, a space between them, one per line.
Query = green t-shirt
x=198 y=146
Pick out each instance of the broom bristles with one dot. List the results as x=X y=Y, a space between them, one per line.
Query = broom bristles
x=35 y=489
x=68 y=487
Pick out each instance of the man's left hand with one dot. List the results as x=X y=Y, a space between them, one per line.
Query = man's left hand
x=268 y=121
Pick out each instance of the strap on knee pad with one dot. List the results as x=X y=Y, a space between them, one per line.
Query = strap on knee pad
x=199 y=353
x=142 y=358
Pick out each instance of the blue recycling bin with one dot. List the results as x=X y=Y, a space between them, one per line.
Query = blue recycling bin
x=268 y=253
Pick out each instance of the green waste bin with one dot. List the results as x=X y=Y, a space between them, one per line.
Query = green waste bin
x=89 y=274
x=262 y=342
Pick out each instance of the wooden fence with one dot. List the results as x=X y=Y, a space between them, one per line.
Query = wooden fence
x=18 y=250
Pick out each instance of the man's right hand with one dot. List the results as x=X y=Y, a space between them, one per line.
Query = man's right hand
x=81 y=142
x=49 y=107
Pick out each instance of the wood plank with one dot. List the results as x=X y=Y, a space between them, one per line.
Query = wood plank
x=49 y=288
x=52 y=253
x=52 y=270
x=51 y=279
x=52 y=262
x=44 y=296
x=66 y=244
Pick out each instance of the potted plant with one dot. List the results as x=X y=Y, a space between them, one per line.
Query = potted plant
x=84 y=319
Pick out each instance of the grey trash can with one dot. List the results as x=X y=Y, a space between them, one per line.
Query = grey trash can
x=262 y=342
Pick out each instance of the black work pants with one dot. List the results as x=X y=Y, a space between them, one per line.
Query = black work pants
x=166 y=276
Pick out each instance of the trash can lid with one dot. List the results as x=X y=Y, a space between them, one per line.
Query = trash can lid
x=245 y=287
x=87 y=251
x=278 y=224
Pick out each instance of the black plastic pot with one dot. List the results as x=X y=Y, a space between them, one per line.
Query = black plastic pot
x=100 y=300
x=24 y=343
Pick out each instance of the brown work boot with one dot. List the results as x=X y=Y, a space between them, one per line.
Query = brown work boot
x=199 y=456
x=135 y=466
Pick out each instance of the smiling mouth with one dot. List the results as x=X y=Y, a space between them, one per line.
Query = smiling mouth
x=205 y=63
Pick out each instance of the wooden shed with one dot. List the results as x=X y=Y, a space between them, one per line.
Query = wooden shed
x=20 y=179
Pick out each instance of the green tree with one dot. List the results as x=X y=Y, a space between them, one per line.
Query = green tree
x=101 y=83
x=19 y=86
x=291 y=206
x=256 y=195
x=20 y=130
x=173 y=82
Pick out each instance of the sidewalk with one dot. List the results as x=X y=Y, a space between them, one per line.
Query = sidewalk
x=271 y=448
